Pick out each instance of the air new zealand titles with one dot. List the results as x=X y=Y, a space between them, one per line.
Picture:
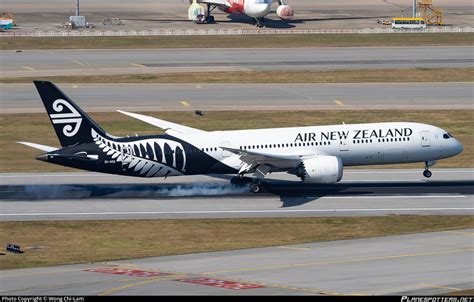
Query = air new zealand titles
x=355 y=134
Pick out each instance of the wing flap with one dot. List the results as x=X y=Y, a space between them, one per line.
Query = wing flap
x=260 y=162
x=262 y=156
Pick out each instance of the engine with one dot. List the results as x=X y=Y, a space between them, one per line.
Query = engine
x=196 y=12
x=285 y=12
x=321 y=169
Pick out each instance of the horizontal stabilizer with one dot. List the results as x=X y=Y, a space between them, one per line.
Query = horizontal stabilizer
x=39 y=146
x=165 y=125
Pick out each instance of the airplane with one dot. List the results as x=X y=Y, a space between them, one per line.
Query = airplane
x=315 y=154
x=256 y=9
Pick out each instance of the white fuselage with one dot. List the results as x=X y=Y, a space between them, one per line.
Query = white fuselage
x=257 y=8
x=355 y=144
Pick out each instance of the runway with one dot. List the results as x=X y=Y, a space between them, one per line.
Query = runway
x=37 y=63
x=23 y=98
x=416 y=264
x=86 y=196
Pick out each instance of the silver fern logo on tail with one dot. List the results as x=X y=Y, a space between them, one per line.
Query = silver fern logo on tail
x=154 y=157
x=72 y=119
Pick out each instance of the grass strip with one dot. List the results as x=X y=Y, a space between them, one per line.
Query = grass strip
x=63 y=242
x=392 y=75
x=239 y=41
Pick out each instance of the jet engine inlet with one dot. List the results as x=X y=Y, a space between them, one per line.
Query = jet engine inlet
x=285 y=12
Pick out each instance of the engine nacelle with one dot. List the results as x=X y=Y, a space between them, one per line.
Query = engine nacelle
x=321 y=169
x=285 y=12
x=196 y=12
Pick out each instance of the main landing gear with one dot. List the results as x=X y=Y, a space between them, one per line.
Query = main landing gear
x=427 y=173
x=254 y=185
x=259 y=22
x=209 y=17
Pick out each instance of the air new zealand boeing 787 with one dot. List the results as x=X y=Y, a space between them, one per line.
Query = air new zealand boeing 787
x=316 y=154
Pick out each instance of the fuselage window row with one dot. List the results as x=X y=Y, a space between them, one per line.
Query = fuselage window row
x=284 y=145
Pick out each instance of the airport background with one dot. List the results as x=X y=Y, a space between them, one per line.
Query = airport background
x=383 y=231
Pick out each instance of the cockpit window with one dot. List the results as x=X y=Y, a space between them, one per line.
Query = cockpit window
x=447 y=136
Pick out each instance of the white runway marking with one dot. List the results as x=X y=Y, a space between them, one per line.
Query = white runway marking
x=237 y=212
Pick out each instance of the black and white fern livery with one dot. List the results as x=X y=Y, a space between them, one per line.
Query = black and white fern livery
x=149 y=157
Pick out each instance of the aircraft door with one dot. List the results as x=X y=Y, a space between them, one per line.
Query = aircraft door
x=343 y=145
x=425 y=138
x=126 y=155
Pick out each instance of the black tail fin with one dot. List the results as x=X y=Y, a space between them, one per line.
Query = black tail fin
x=72 y=125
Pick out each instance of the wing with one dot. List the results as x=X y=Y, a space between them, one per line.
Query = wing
x=39 y=146
x=169 y=127
x=222 y=4
x=262 y=162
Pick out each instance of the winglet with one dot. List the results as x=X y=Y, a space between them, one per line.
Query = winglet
x=165 y=125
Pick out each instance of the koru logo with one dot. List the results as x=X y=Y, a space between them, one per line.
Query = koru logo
x=73 y=118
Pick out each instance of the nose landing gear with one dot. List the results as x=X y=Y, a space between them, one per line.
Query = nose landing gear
x=427 y=173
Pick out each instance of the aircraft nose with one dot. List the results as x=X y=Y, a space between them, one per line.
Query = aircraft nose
x=458 y=147
x=262 y=9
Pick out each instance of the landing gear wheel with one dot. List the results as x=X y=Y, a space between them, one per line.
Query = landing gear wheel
x=427 y=173
x=255 y=188
x=210 y=19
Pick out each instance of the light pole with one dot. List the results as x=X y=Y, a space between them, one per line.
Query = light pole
x=77 y=7
x=414 y=8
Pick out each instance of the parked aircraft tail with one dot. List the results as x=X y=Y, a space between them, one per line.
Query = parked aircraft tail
x=72 y=125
